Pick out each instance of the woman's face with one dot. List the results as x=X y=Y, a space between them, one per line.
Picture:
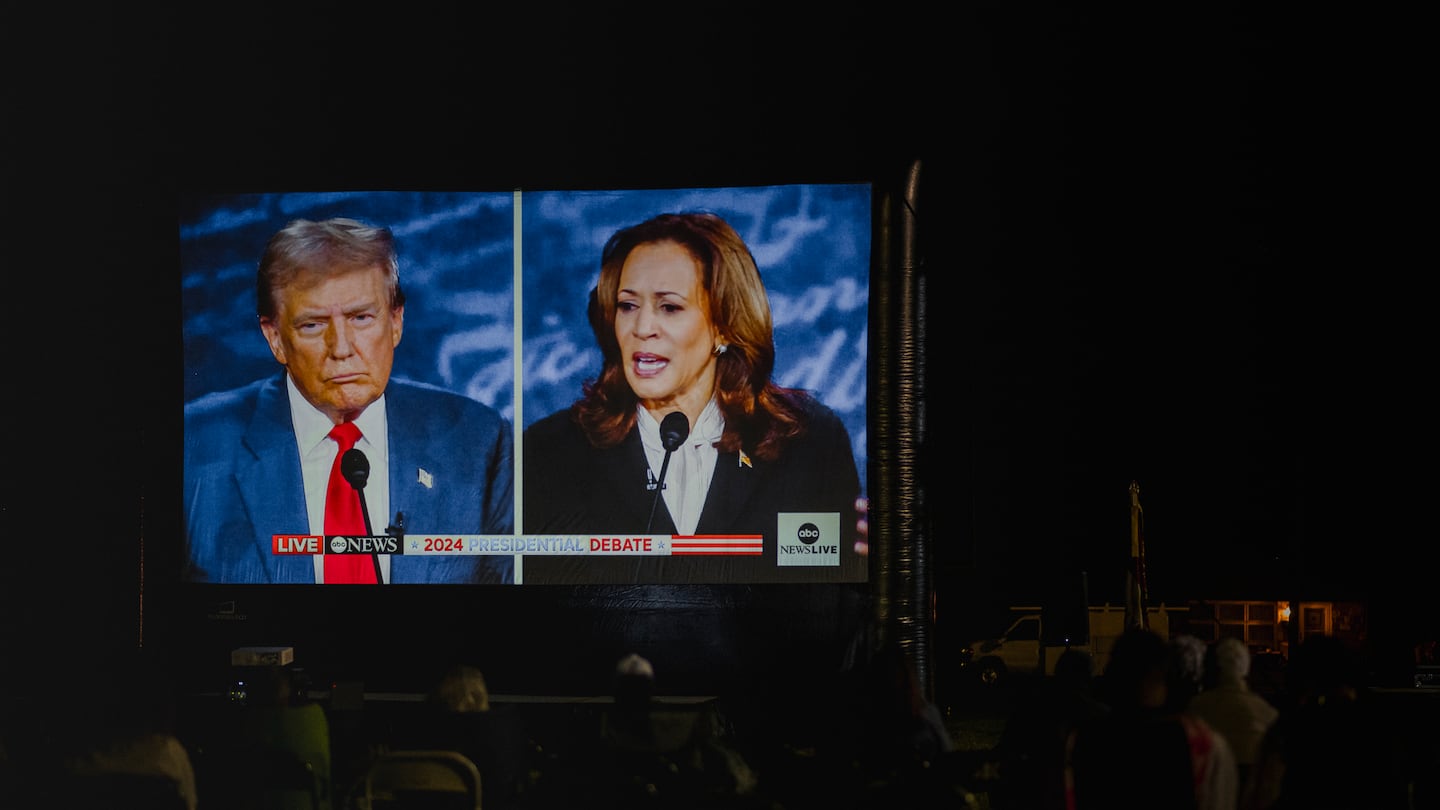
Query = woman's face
x=662 y=323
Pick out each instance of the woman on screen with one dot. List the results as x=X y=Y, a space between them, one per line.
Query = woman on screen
x=684 y=432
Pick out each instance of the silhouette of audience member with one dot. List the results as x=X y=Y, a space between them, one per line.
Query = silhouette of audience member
x=897 y=751
x=645 y=752
x=108 y=737
x=461 y=689
x=1328 y=748
x=1145 y=752
x=1187 y=669
x=280 y=752
x=458 y=716
x=901 y=724
x=1030 y=753
x=1231 y=707
x=632 y=721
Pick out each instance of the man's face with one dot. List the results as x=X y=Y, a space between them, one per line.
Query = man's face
x=336 y=334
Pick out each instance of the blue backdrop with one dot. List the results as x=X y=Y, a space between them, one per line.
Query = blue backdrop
x=457 y=266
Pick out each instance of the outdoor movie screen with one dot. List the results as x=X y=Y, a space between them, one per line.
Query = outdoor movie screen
x=631 y=386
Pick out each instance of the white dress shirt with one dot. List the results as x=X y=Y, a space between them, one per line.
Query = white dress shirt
x=692 y=466
x=317 y=456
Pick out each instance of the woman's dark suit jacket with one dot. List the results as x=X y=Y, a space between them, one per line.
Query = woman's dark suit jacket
x=574 y=488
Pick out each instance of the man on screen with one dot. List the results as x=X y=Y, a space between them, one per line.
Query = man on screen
x=259 y=459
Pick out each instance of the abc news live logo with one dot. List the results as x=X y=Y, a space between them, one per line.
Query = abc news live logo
x=334 y=544
x=808 y=538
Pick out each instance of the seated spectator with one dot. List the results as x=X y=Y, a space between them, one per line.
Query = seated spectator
x=461 y=690
x=153 y=764
x=458 y=716
x=269 y=748
x=107 y=737
x=644 y=752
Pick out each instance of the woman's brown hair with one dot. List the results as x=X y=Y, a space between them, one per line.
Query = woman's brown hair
x=760 y=416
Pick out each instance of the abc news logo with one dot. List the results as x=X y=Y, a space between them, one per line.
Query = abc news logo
x=337 y=544
x=808 y=539
x=809 y=535
x=346 y=544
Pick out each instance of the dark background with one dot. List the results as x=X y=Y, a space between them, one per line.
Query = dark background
x=1160 y=245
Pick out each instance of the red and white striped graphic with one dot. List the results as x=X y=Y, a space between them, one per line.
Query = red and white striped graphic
x=717 y=544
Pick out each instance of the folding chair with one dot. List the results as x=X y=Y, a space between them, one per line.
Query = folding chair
x=420 y=780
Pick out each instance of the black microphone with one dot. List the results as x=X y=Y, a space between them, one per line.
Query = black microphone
x=356 y=469
x=673 y=430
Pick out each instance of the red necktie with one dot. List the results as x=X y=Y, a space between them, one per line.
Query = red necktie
x=344 y=516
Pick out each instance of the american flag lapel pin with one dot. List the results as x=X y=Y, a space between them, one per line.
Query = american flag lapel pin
x=426 y=479
x=744 y=459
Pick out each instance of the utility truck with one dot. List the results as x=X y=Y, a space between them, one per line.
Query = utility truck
x=1029 y=647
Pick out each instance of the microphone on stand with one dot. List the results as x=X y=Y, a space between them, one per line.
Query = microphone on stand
x=673 y=430
x=356 y=469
